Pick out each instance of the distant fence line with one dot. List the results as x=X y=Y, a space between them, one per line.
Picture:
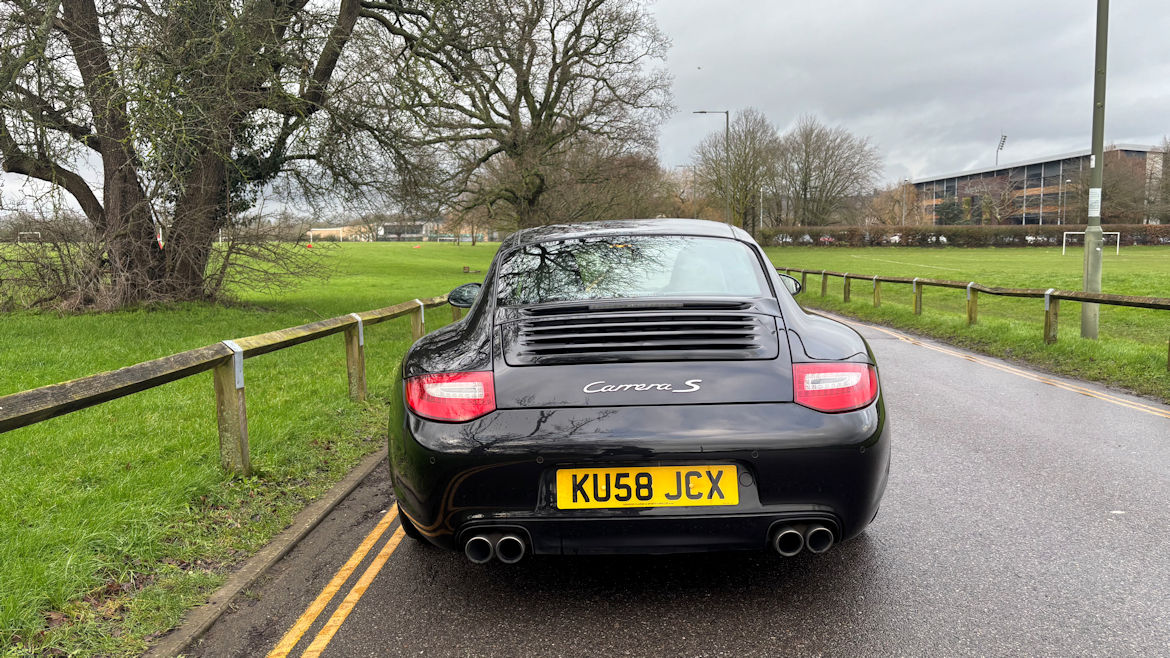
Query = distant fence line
x=933 y=235
x=226 y=361
x=1051 y=296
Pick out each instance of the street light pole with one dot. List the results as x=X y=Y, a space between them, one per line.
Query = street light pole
x=726 y=154
x=1093 y=234
x=1063 y=181
x=905 y=182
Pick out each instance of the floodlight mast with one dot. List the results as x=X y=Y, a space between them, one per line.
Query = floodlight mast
x=1002 y=141
x=1093 y=235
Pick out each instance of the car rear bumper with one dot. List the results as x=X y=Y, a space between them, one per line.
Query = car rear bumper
x=498 y=473
x=654 y=535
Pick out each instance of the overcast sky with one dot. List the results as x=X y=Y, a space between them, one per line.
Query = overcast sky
x=931 y=82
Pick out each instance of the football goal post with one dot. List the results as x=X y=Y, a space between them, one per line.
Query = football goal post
x=28 y=236
x=1064 y=241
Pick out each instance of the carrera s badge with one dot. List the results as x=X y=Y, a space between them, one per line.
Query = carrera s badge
x=602 y=387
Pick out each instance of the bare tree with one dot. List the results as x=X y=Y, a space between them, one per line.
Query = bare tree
x=896 y=204
x=738 y=172
x=995 y=197
x=1126 y=192
x=1158 y=185
x=591 y=185
x=588 y=183
x=192 y=110
x=505 y=88
x=821 y=170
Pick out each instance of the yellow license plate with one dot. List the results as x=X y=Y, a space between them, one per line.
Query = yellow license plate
x=649 y=486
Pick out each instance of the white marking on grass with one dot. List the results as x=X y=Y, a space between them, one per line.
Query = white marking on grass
x=899 y=262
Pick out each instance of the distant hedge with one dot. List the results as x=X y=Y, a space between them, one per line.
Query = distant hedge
x=1032 y=235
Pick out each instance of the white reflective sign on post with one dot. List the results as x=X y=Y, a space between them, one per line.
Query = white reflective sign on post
x=1094 y=202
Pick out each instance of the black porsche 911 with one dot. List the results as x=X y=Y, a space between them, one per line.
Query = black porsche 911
x=636 y=387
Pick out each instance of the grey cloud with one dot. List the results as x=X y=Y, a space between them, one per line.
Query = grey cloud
x=931 y=83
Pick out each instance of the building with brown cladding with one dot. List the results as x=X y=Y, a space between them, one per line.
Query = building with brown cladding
x=1041 y=191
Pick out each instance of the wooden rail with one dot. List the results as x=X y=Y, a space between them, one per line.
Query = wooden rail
x=1051 y=296
x=226 y=360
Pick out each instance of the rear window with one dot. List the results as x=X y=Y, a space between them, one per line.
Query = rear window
x=627 y=267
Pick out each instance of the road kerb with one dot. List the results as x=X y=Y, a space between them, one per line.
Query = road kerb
x=200 y=619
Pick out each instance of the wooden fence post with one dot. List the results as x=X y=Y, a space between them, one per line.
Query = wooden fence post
x=972 y=305
x=1051 y=315
x=917 y=297
x=456 y=313
x=877 y=292
x=418 y=325
x=231 y=412
x=804 y=280
x=355 y=359
x=824 y=283
x=846 y=293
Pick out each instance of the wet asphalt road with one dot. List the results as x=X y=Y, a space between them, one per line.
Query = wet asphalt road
x=1020 y=519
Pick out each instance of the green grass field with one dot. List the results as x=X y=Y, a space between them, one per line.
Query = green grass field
x=1131 y=353
x=116 y=519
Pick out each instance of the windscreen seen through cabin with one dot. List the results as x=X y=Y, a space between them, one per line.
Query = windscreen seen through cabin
x=622 y=267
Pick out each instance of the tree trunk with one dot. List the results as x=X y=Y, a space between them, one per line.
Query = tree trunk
x=126 y=228
x=199 y=212
x=527 y=214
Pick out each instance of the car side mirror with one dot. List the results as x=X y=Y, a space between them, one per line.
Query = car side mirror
x=464 y=296
x=792 y=283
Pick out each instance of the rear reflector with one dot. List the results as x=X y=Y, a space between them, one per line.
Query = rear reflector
x=834 y=386
x=457 y=397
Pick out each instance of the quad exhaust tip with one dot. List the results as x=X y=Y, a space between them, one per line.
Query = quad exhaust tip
x=818 y=538
x=510 y=549
x=788 y=541
x=479 y=549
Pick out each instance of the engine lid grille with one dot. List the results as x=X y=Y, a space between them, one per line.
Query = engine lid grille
x=646 y=332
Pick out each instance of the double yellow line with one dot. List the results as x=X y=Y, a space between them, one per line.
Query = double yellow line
x=1105 y=397
x=305 y=621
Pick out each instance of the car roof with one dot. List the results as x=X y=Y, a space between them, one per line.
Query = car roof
x=669 y=226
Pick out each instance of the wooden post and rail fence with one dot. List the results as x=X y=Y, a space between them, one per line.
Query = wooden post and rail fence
x=226 y=358
x=226 y=361
x=1051 y=296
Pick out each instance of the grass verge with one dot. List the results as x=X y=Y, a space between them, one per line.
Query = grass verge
x=1132 y=350
x=117 y=519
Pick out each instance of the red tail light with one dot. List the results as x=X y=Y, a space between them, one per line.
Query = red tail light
x=834 y=386
x=458 y=397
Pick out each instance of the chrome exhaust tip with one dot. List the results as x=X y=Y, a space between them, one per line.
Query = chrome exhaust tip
x=511 y=549
x=818 y=538
x=788 y=541
x=479 y=549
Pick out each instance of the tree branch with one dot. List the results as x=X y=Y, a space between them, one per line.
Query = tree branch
x=17 y=162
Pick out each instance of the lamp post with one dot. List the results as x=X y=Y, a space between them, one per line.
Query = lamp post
x=905 y=182
x=1093 y=235
x=726 y=154
x=1063 y=182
